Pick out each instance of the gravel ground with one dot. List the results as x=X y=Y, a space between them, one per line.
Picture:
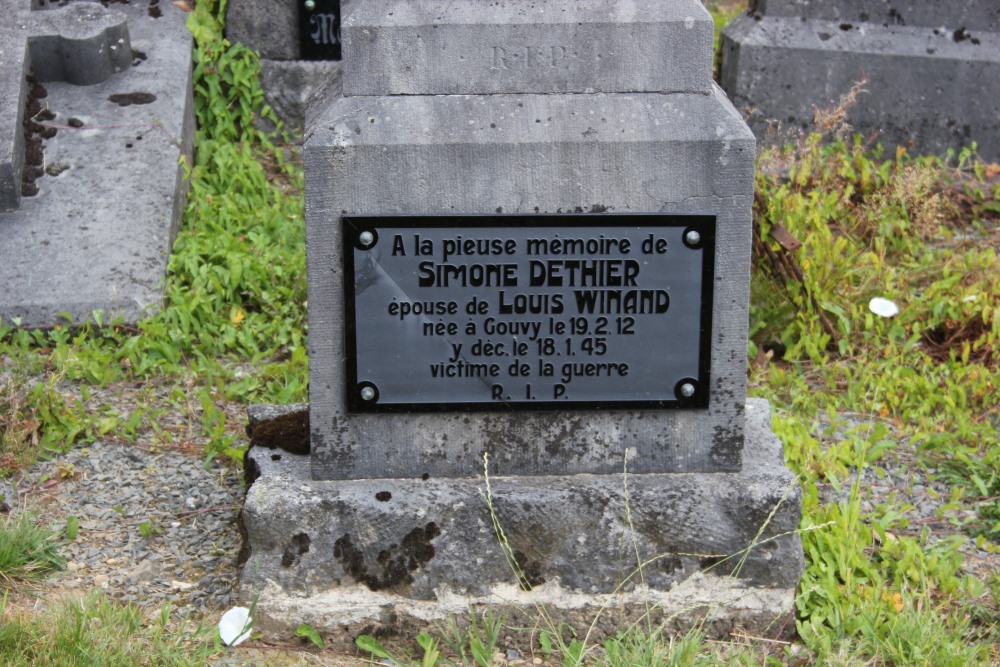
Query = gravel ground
x=155 y=527
x=899 y=483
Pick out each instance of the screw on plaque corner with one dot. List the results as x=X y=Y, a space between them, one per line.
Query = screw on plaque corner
x=692 y=238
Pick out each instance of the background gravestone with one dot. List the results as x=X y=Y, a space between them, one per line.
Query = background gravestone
x=319 y=30
x=298 y=45
x=545 y=119
x=116 y=118
x=932 y=68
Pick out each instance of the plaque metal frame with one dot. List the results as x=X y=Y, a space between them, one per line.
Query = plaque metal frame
x=363 y=397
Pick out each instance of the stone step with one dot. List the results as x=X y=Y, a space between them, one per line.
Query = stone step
x=720 y=550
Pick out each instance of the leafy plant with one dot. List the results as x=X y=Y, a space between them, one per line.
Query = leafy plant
x=72 y=527
x=235 y=292
x=430 y=646
x=915 y=229
x=307 y=631
x=148 y=528
x=374 y=647
x=228 y=97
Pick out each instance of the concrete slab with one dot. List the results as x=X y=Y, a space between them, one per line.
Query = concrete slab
x=932 y=82
x=98 y=234
x=81 y=43
x=432 y=47
x=398 y=555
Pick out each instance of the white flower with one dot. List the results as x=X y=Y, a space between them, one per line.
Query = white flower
x=234 y=622
x=883 y=307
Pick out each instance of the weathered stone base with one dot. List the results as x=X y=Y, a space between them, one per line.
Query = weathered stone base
x=718 y=605
x=399 y=555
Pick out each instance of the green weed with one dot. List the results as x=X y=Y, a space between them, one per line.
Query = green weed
x=27 y=551
x=228 y=98
x=636 y=647
x=881 y=227
x=307 y=631
x=837 y=224
x=475 y=643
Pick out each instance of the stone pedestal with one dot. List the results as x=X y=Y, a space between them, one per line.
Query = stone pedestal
x=932 y=69
x=395 y=556
x=575 y=109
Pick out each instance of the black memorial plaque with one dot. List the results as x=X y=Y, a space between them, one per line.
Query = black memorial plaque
x=319 y=30
x=528 y=312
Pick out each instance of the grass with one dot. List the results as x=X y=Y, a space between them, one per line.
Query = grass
x=722 y=11
x=96 y=631
x=27 y=552
x=837 y=222
x=921 y=231
x=18 y=430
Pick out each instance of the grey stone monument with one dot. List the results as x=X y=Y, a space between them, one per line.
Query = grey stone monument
x=932 y=68
x=282 y=32
x=486 y=174
x=115 y=120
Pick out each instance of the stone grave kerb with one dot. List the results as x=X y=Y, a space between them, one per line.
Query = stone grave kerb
x=931 y=69
x=978 y=17
x=82 y=43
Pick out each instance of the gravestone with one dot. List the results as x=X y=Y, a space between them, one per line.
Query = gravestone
x=299 y=46
x=116 y=118
x=528 y=232
x=82 y=43
x=932 y=68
